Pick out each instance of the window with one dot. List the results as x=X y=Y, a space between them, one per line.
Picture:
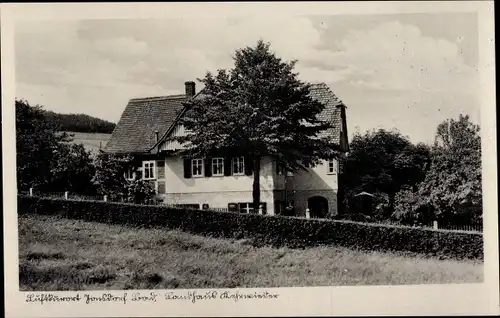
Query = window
x=238 y=166
x=245 y=207
x=129 y=173
x=148 y=171
x=332 y=169
x=197 y=167
x=217 y=167
x=191 y=206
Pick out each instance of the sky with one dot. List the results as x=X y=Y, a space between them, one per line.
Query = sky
x=402 y=71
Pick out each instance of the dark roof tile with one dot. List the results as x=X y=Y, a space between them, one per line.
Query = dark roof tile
x=332 y=111
x=135 y=131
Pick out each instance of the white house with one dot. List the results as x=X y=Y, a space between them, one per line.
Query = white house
x=146 y=128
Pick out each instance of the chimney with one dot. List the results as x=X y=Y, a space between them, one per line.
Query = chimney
x=156 y=135
x=190 y=88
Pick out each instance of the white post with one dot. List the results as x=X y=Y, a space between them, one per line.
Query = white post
x=435 y=225
x=260 y=209
x=31 y=192
x=105 y=198
x=308 y=213
x=66 y=193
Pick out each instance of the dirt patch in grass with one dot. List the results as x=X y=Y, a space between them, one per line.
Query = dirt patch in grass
x=61 y=254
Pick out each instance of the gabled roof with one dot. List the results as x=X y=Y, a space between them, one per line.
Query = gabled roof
x=332 y=113
x=135 y=131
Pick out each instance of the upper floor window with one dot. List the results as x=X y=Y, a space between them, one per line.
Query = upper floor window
x=148 y=170
x=217 y=167
x=197 y=167
x=332 y=167
x=238 y=166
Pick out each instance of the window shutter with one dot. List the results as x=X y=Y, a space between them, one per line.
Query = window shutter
x=227 y=166
x=187 y=168
x=160 y=169
x=208 y=166
x=248 y=166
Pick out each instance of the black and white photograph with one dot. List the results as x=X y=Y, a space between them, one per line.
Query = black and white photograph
x=195 y=156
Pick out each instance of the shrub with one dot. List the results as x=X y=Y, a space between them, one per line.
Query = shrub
x=139 y=191
x=267 y=230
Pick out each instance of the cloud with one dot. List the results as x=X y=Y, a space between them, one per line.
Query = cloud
x=388 y=74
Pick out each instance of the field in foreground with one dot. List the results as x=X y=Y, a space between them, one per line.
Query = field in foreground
x=62 y=254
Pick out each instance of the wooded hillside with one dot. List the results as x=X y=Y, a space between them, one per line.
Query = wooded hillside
x=80 y=123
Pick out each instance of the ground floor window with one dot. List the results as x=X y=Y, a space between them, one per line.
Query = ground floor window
x=188 y=206
x=246 y=207
x=148 y=170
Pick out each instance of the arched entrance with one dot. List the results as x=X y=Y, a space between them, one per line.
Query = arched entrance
x=318 y=206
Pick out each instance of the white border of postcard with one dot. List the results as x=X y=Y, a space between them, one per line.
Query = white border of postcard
x=464 y=299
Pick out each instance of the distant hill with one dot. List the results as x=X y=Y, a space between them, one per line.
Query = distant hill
x=80 y=123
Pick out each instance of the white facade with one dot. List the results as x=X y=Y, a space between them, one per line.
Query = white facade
x=225 y=190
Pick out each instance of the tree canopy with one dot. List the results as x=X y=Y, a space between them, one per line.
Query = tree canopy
x=453 y=182
x=381 y=162
x=44 y=156
x=258 y=108
x=80 y=123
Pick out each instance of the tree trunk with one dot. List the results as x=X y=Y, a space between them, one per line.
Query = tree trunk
x=256 y=184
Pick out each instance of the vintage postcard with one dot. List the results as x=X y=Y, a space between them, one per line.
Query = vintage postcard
x=249 y=159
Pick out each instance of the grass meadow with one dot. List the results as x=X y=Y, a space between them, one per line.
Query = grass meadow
x=91 y=141
x=62 y=254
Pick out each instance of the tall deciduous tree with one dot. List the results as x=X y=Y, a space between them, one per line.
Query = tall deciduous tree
x=382 y=162
x=454 y=179
x=453 y=183
x=258 y=108
x=72 y=169
x=37 y=142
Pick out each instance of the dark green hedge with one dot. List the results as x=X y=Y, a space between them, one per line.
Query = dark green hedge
x=267 y=230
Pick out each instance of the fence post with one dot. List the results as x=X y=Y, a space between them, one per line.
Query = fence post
x=66 y=195
x=105 y=198
x=308 y=213
x=31 y=192
x=435 y=225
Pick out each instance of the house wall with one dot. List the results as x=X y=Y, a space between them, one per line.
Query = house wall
x=176 y=183
x=303 y=185
x=215 y=191
x=316 y=178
